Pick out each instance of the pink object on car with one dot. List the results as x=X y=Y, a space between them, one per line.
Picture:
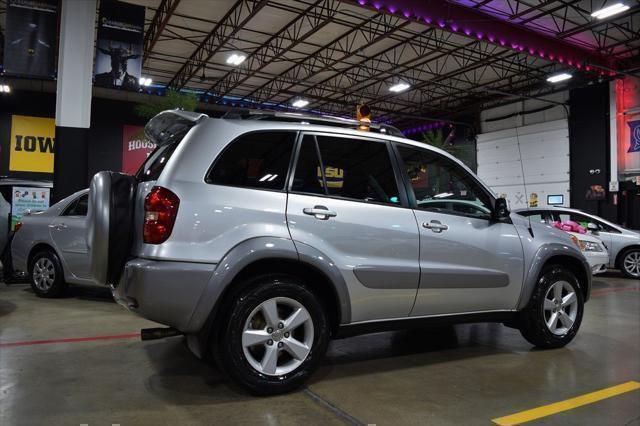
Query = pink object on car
x=570 y=226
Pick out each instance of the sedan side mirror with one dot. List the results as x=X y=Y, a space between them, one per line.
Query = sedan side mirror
x=500 y=209
x=593 y=227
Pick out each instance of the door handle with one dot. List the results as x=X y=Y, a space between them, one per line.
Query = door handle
x=435 y=225
x=58 y=226
x=320 y=212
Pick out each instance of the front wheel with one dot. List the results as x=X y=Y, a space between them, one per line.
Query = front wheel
x=630 y=263
x=274 y=335
x=46 y=276
x=554 y=313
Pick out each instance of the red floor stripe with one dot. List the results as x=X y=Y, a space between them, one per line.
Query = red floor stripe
x=70 y=340
x=604 y=291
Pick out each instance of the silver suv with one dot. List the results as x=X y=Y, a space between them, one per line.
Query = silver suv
x=262 y=238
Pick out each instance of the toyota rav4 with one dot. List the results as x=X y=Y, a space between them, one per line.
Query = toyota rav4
x=262 y=237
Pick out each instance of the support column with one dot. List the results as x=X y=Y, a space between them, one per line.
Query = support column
x=73 y=97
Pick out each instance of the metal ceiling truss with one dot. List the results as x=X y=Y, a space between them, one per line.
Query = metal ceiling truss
x=158 y=23
x=235 y=20
x=315 y=17
x=448 y=73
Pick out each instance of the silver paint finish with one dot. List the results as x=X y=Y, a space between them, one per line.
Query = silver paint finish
x=223 y=229
x=232 y=263
x=64 y=234
x=549 y=242
x=363 y=235
x=474 y=265
x=98 y=222
x=163 y=291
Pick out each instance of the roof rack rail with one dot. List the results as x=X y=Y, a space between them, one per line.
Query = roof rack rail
x=295 y=117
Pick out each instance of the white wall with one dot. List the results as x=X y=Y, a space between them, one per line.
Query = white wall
x=543 y=139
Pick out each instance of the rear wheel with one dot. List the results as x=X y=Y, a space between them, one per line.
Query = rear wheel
x=630 y=263
x=46 y=276
x=554 y=313
x=274 y=335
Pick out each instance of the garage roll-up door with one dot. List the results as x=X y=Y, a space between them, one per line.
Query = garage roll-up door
x=545 y=156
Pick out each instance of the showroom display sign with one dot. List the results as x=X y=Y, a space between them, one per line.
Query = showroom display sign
x=30 y=37
x=135 y=148
x=32 y=144
x=119 y=45
x=27 y=198
x=634 y=136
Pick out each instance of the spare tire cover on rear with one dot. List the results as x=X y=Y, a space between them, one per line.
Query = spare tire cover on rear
x=110 y=224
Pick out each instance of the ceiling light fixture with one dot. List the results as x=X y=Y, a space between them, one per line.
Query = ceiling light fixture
x=399 y=87
x=236 y=59
x=145 y=81
x=608 y=11
x=300 y=103
x=557 y=78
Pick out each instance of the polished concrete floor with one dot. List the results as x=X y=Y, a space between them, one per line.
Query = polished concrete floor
x=462 y=375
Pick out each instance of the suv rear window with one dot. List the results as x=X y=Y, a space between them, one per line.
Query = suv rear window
x=155 y=163
x=255 y=160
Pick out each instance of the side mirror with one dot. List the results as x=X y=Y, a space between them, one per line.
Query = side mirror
x=593 y=227
x=500 y=209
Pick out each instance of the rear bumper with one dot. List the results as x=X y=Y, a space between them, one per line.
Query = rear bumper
x=163 y=291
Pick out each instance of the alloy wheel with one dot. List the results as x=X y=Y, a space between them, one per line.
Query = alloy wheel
x=277 y=336
x=560 y=308
x=44 y=274
x=631 y=263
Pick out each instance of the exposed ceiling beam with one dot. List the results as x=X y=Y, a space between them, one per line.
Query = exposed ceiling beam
x=315 y=17
x=159 y=21
x=234 y=20
x=449 y=15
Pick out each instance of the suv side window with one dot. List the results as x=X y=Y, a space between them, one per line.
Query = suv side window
x=77 y=207
x=257 y=160
x=347 y=168
x=441 y=185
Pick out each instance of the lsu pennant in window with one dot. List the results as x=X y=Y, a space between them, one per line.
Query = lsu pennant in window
x=32 y=142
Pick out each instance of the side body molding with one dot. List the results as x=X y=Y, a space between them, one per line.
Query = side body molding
x=544 y=253
x=253 y=250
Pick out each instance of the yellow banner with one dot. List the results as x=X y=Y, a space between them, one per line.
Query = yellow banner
x=32 y=141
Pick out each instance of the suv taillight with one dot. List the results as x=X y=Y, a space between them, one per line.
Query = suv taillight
x=160 y=211
x=17 y=227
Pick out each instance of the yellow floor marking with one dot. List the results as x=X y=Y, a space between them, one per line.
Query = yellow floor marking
x=568 y=404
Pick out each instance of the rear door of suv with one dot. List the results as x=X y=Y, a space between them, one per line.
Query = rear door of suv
x=344 y=201
x=469 y=262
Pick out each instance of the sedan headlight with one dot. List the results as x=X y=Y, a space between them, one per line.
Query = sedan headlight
x=590 y=246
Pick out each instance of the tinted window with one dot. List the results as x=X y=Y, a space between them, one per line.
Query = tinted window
x=155 y=162
x=349 y=168
x=77 y=207
x=255 y=160
x=441 y=185
x=308 y=175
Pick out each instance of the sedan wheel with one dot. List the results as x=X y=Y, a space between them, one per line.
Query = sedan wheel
x=44 y=274
x=631 y=264
x=47 y=278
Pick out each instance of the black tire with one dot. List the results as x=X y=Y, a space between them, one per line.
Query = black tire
x=633 y=252
x=533 y=319
x=42 y=261
x=228 y=347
